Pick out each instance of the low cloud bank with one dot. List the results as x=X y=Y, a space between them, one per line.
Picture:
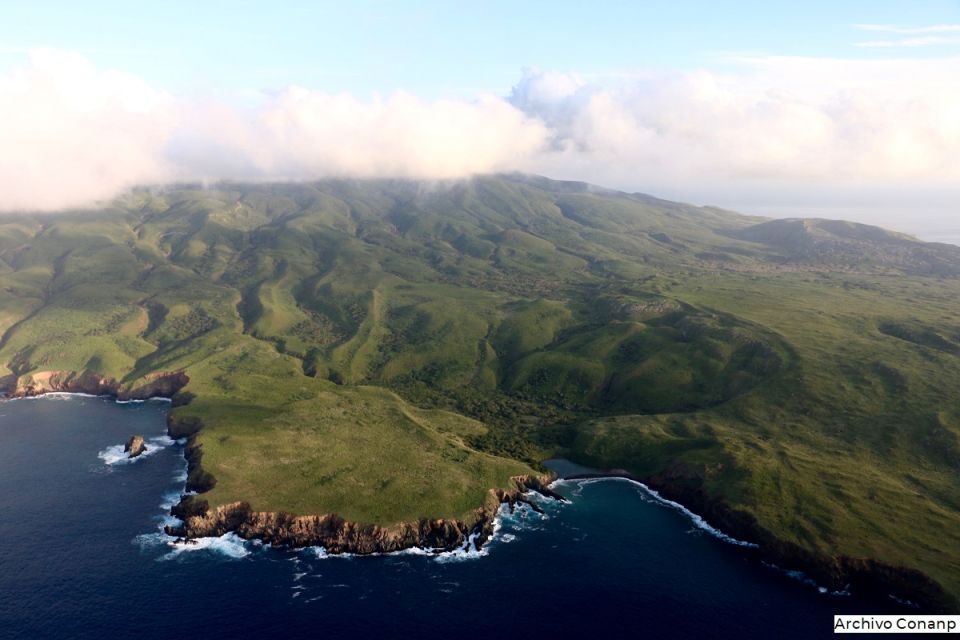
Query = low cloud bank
x=72 y=134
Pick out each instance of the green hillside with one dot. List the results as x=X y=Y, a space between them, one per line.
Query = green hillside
x=390 y=350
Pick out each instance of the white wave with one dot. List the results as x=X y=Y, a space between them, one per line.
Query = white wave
x=803 y=578
x=906 y=603
x=229 y=544
x=115 y=454
x=320 y=553
x=68 y=395
x=468 y=551
x=168 y=520
x=546 y=503
x=56 y=395
x=170 y=499
x=698 y=521
x=521 y=518
x=415 y=551
x=153 y=540
x=141 y=401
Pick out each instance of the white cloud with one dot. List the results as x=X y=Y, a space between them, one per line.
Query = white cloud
x=778 y=120
x=71 y=134
x=303 y=134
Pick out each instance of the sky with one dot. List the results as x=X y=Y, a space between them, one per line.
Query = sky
x=821 y=109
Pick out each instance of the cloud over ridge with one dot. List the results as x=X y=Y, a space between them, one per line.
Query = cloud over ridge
x=72 y=134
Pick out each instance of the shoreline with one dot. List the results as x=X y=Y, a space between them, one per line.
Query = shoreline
x=337 y=535
x=696 y=519
x=836 y=574
x=162 y=384
x=80 y=394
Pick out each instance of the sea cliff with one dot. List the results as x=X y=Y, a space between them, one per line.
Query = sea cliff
x=338 y=535
x=163 y=384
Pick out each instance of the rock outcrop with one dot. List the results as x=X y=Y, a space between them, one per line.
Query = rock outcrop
x=135 y=446
x=41 y=382
x=162 y=384
x=337 y=535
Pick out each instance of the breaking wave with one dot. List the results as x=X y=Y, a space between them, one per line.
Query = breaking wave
x=515 y=519
x=803 y=578
x=115 y=454
x=697 y=521
x=229 y=544
x=55 y=395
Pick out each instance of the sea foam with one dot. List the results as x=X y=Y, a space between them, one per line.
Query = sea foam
x=803 y=578
x=55 y=395
x=697 y=521
x=516 y=518
x=115 y=454
x=229 y=544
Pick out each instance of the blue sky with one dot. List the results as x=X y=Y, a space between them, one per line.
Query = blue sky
x=444 y=48
x=834 y=109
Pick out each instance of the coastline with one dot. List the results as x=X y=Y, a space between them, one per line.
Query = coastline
x=657 y=567
x=835 y=574
x=163 y=384
x=339 y=536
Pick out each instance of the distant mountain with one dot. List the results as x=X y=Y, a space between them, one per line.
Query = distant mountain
x=847 y=245
x=389 y=351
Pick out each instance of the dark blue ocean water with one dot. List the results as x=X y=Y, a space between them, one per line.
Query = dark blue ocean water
x=81 y=557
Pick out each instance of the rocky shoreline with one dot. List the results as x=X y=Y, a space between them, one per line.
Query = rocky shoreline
x=836 y=573
x=330 y=531
x=164 y=384
x=337 y=535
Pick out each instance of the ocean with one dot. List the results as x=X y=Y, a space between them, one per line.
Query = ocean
x=82 y=555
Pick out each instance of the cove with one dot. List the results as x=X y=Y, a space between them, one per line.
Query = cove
x=81 y=556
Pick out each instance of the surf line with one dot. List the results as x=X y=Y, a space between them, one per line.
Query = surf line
x=697 y=520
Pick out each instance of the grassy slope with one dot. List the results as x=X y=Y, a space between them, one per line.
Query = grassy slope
x=804 y=372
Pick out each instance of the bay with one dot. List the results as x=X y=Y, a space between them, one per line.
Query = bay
x=82 y=556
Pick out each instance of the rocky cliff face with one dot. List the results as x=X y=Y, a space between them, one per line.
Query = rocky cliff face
x=156 y=385
x=337 y=535
x=163 y=384
x=41 y=382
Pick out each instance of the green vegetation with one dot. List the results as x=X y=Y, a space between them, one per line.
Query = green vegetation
x=391 y=350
